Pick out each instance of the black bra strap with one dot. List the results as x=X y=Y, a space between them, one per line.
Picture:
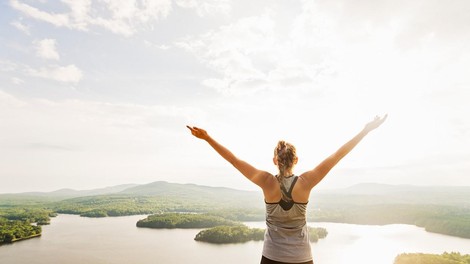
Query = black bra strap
x=288 y=193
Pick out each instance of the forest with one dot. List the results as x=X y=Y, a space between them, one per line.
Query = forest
x=230 y=234
x=15 y=230
x=221 y=229
x=22 y=223
x=316 y=233
x=448 y=220
x=445 y=258
x=445 y=219
x=439 y=210
x=241 y=233
x=183 y=220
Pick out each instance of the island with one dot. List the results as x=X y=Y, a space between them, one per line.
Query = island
x=22 y=223
x=12 y=231
x=183 y=220
x=230 y=234
x=445 y=258
x=242 y=233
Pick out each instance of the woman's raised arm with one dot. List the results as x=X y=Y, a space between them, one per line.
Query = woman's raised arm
x=261 y=178
x=311 y=178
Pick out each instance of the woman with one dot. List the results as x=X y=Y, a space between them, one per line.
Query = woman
x=286 y=195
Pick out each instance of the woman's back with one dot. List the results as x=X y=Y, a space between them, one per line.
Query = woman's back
x=286 y=237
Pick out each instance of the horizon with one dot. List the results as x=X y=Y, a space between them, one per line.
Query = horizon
x=97 y=93
x=250 y=190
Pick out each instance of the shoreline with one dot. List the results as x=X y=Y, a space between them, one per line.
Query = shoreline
x=20 y=239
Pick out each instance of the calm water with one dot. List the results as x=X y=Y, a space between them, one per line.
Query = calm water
x=74 y=239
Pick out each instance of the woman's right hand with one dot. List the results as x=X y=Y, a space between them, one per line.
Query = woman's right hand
x=198 y=132
x=375 y=123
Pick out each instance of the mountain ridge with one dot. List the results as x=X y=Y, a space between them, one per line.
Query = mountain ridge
x=358 y=193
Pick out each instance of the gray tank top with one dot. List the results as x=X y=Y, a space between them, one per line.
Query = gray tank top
x=286 y=237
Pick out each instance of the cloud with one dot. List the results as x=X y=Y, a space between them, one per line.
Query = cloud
x=8 y=101
x=158 y=46
x=67 y=74
x=20 y=26
x=253 y=54
x=124 y=17
x=228 y=49
x=329 y=47
x=207 y=7
x=78 y=13
x=46 y=49
x=58 y=20
x=8 y=66
x=84 y=125
x=16 y=81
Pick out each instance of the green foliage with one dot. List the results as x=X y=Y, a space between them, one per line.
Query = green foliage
x=240 y=214
x=107 y=205
x=95 y=213
x=420 y=258
x=449 y=220
x=14 y=230
x=377 y=207
x=454 y=225
x=183 y=220
x=120 y=205
x=40 y=216
x=230 y=234
x=241 y=233
x=15 y=222
x=316 y=233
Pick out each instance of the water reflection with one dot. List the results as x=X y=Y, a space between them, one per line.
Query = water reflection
x=73 y=239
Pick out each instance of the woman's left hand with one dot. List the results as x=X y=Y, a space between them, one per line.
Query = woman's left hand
x=198 y=132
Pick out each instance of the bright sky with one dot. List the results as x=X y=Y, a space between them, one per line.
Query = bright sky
x=95 y=93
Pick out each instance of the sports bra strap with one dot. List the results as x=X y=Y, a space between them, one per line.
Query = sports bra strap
x=286 y=192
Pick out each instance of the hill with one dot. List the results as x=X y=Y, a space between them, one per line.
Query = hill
x=438 y=209
x=360 y=194
x=374 y=193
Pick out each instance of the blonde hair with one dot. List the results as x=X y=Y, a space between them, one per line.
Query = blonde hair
x=286 y=155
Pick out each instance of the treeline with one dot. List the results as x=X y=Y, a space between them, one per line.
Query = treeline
x=183 y=220
x=230 y=234
x=242 y=233
x=107 y=205
x=443 y=219
x=17 y=223
x=452 y=225
x=449 y=220
x=445 y=258
x=316 y=233
x=14 y=230
x=121 y=205
x=40 y=216
x=240 y=214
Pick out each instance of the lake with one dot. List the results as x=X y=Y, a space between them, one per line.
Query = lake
x=73 y=239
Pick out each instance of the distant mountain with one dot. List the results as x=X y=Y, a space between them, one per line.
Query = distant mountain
x=167 y=188
x=381 y=189
x=195 y=192
x=70 y=193
x=370 y=193
x=360 y=194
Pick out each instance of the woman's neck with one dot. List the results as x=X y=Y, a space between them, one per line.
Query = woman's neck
x=285 y=173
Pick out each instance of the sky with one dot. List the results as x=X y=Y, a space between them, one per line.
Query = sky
x=96 y=93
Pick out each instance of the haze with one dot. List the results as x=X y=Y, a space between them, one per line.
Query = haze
x=98 y=93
